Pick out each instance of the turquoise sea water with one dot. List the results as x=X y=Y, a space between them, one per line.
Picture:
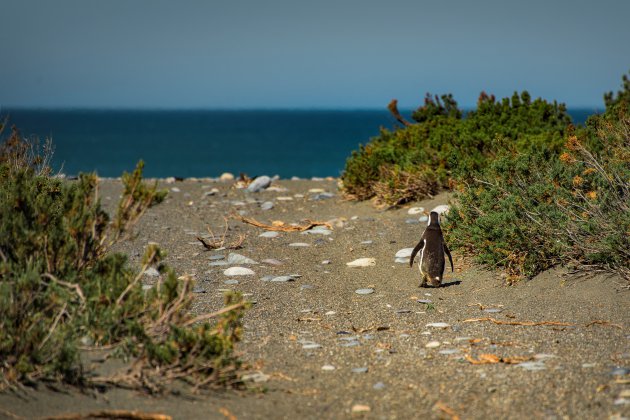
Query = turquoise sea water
x=205 y=143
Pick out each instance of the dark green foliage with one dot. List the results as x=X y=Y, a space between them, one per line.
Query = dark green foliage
x=60 y=284
x=443 y=146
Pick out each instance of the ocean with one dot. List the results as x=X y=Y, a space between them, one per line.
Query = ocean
x=205 y=143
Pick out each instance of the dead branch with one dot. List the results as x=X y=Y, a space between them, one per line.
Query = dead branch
x=487 y=358
x=393 y=108
x=281 y=227
x=73 y=286
x=220 y=242
x=605 y=323
x=215 y=314
x=446 y=410
x=526 y=323
x=110 y=414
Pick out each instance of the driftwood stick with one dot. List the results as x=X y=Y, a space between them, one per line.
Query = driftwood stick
x=526 y=323
x=110 y=414
x=283 y=228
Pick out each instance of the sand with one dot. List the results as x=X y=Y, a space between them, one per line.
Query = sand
x=378 y=355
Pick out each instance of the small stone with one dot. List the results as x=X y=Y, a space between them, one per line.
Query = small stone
x=238 y=271
x=403 y=311
x=259 y=184
x=425 y=301
x=360 y=370
x=352 y=343
x=619 y=371
x=402 y=260
x=269 y=234
x=360 y=408
x=621 y=401
x=151 y=272
x=404 y=253
x=283 y=279
x=533 y=366
x=367 y=242
x=213 y=191
x=448 y=351
x=198 y=290
x=588 y=365
x=415 y=210
x=255 y=377
x=412 y=221
x=379 y=386
x=322 y=196
x=284 y=198
x=299 y=244
x=423 y=219
x=438 y=325
x=267 y=278
x=226 y=176
x=329 y=313
x=441 y=209
x=311 y=345
x=306 y=287
x=318 y=230
x=326 y=262
x=175 y=189
x=267 y=205
x=493 y=310
x=230 y=282
x=272 y=261
x=364 y=291
x=234 y=258
x=216 y=257
x=328 y=367
x=362 y=262
x=169 y=180
x=432 y=344
x=218 y=263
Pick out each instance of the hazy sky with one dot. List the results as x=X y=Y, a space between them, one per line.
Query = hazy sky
x=307 y=54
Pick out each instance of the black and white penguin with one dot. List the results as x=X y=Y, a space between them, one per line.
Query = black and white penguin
x=433 y=248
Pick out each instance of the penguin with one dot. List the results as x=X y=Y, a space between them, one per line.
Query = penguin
x=433 y=248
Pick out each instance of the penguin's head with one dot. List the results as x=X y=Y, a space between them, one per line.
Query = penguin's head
x=434 y=218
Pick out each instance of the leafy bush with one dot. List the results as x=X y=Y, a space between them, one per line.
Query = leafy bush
x=60 y=285
x=529 y=211
x=419 y=160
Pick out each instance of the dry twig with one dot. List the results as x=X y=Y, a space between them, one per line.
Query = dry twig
x=487 y=358
x=446 y=410
x=605 y=323
x=220 y=242
x=110 y=414
x=281 y=227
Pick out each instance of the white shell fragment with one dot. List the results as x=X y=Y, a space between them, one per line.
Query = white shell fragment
x=362 y=262
x=238 y=271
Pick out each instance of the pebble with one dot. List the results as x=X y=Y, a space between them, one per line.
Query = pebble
x=360 y=370
x=277 y=189
x=448 y=351
x=234 y=258
x=403 y=311
x=267 y=278
x=350 y=343
x=226 y=176
x=283 y=279
x=175 y=189
x=619 y=371
x=367 y=242
x=238 y=271
x=151 y=272
x=402 y=260
x=322 y=196
x=269 y=234
x=533 y=366
x=318 y=230
x=432 y=344
x=299 y=244
x=326 y=262
x=216 y=257
x=328 y=367
x=259 y=184
x=198 y=290
x=379 y=386
x=362 y=262
x=306 y=287
x=426 y=301
x=588 y=365
x=267 y=205
x=230 y=282
x=404 y=253
x=310 y=345
x=272 y=261
x=415 y=210
x=218 y=263
x=412 y=221
x=423 y=219
x=283 y=198
x=364 y=291
x=360 y=408
x=441 y=209
x=493 y=310
x=330 y=313
x=438 y=325
x=211 y=192
x=255 y=377
x=621 y=401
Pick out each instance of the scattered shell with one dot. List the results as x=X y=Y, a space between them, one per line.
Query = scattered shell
x=267 y=205
x=326 y=262
x=379 y=386
x=151 y=272
x=533 y=366
x=415 y=210
x=360 y=370
x=441 y=209
x=438 y=325
x=238 y=271
x=364 y=291
x=330 y=313
x=255 y=377
x=328 y=367
x=493 y=310
x=283 y=279
x=299 y=244
x=234 y=258
x=449 y=351
x=230 y=281
x=432 y=344
x=404 y=253
x=423 y=219
x=360 y=408
x=272 y=261
x=427 y=301
x=310 y=345
x=362 y=262
x=269 y=234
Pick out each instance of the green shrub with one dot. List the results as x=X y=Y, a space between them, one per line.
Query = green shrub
x=61 y=285
x=419 y=160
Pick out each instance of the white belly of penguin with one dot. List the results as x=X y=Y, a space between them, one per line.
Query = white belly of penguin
x=424 y=247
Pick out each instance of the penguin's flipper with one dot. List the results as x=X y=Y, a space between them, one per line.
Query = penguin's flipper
x=415 y=251
x=449 y=257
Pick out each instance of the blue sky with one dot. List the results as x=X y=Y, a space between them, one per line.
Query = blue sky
x=307 y=54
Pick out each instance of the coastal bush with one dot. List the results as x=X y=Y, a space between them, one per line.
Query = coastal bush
x=442 y=147
x=529 y=211
x=61 y=287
